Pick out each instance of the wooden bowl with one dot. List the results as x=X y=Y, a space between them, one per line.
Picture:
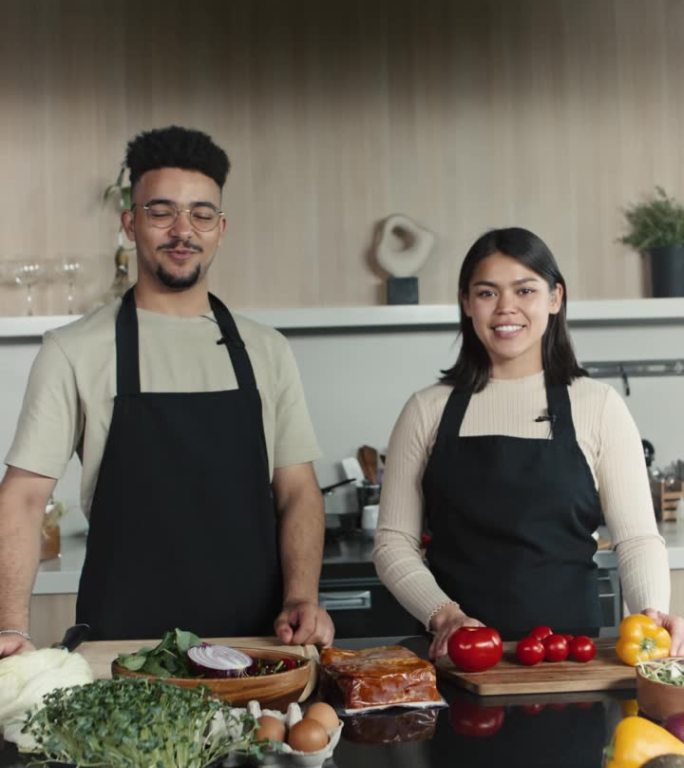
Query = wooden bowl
x=659 y=700
x=274 y=691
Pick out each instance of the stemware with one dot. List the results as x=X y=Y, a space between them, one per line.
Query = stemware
x=69 y=269
x=25 y=273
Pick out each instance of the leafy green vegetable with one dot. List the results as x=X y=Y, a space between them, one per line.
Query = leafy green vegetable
x=167 y=659
x=127 y=722
x=668 y=671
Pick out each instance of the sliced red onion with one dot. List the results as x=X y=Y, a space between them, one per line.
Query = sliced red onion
x=218 y=660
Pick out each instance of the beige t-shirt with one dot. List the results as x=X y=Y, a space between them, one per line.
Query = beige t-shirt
x=609 y=440
x=70 y=394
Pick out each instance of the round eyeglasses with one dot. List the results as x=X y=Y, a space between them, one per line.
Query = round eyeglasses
x=203 y=216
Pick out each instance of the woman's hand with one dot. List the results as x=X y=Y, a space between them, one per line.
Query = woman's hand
x=674 y=625
x=444 y=623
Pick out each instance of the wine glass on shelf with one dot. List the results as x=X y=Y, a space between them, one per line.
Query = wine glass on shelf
x=70 y=270
x=25 y=272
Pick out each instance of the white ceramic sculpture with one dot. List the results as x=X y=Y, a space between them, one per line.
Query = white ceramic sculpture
x=415 y=245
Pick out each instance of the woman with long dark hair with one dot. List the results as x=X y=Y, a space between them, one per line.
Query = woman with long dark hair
x=509 y=463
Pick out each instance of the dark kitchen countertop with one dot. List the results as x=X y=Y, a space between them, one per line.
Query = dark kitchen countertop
x=548 y=730
x=347 y=555
x=353 y=546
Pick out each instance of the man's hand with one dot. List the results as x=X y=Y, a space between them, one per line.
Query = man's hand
x=302 y=623
x=444 y=624
x=674 y=625
x=12 y=643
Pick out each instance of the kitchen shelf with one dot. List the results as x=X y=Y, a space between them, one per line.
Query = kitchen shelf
x=627 y=368
x=415 y=316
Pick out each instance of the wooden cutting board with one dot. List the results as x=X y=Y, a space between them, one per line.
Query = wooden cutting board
x=602 y=673
x=101 y=653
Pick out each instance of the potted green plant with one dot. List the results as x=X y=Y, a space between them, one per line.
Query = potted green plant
x=118 y=193
x=656 y=229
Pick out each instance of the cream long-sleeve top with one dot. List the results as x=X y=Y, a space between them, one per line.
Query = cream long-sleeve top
x=608 y=438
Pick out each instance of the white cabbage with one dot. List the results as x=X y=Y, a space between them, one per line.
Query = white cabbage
x=26 y=677
x=12 y=732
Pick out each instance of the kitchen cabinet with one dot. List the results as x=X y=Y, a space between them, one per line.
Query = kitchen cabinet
x=677 y=597
x=350 y=590
x=356 y=599
x=50 y=615
x=361 y=606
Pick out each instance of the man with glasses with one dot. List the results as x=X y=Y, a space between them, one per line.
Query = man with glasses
x=191 y=426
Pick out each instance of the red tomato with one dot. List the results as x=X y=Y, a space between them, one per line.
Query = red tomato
x=582 y=648
x=532 y=709
x=556 y=648
x=567 y=637
x=473 y=649
x=541 y=632
x=468 y=718
x=529 y=651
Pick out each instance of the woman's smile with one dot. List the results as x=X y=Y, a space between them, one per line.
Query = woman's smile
x=507 y=330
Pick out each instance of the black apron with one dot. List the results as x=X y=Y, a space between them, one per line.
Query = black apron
x=512 y=521
x=182 y=527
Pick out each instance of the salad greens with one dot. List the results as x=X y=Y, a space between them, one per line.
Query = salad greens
x=167 y=659
x=170 y=659
x=669 y=671
x=128 y=722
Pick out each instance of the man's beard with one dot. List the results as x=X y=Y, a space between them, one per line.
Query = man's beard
x=178 y=282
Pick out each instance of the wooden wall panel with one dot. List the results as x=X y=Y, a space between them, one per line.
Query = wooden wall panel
x=464 y=114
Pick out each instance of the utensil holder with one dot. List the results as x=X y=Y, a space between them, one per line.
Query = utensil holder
x=368 y=493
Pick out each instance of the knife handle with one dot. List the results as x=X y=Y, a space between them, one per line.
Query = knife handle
x=74 y=636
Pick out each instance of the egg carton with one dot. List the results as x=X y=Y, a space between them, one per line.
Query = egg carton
x=286 y=756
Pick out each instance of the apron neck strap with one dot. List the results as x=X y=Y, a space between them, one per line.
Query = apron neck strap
x=558 y=405
x=128 y=348
x=559 y=411
x=455 y=409
x=230 y=336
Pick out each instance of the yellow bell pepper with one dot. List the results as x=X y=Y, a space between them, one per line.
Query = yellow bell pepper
x=636 y=740
x=641 y=639
x=629 y=707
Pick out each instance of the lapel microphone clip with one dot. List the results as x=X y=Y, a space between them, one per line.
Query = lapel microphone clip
x=229 y=342
x=550 y=417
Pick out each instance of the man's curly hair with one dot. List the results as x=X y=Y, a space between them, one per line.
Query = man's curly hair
x=176 y=147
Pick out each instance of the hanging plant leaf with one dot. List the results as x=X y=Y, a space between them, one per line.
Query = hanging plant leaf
x=120 y=193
